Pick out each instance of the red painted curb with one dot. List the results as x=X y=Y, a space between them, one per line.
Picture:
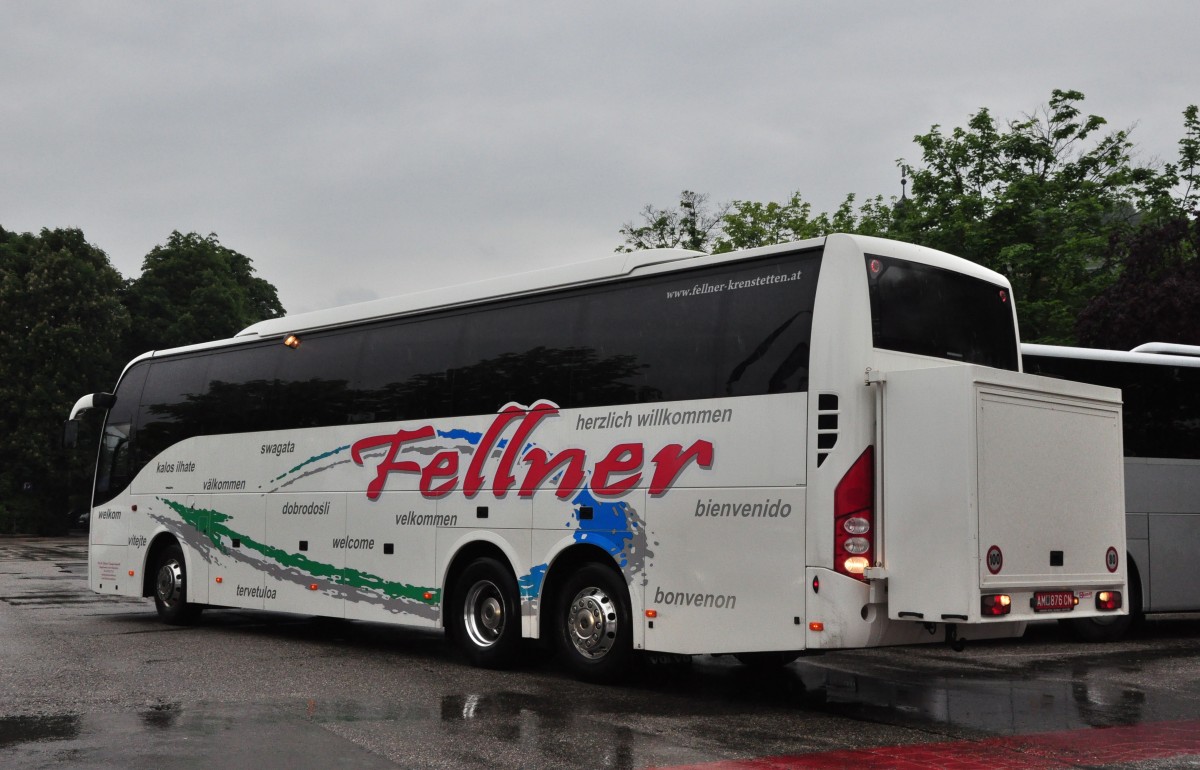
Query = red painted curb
x=1072 y=748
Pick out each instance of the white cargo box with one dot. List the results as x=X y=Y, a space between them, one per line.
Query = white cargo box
x=999 y=482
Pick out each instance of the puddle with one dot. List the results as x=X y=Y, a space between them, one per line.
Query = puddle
x=31 y=729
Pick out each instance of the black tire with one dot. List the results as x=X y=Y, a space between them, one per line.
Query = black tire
x=485 y=619
x=765 y=661
x=171 y=587
x=594 y=628
x=1114 y=627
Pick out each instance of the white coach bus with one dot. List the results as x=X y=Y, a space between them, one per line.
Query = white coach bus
x=817 y=445
x=1160 y=384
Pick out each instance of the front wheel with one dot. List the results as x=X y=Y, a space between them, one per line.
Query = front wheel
x=170 y=588
x=595 y=632
x=486 y=618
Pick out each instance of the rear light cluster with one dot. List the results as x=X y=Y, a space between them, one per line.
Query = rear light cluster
x=1108 y=600
x=854 y=518
x=995 y=604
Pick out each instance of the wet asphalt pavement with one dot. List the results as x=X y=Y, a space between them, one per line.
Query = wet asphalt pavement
x=91 y=681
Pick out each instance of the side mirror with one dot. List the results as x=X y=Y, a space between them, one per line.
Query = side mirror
x=70 y=432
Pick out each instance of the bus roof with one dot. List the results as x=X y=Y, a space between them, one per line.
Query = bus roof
x=1116 y=356
x=578 y=274
x=450 y=296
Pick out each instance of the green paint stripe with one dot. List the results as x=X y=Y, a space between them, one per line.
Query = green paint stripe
x=311 y=460
x=341 y=575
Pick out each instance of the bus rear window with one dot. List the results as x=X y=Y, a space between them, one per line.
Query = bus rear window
x=930 y=311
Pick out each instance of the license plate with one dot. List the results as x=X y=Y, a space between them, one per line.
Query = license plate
x=1053 y=601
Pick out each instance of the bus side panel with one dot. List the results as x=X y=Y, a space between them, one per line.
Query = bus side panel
x=107 y=570
x=1164 y=496
x=1173 y=539
x=382 y=586
x=726 y=572
x=109 y=523
x=238 y=562
x=305 y=531
x=111 y=533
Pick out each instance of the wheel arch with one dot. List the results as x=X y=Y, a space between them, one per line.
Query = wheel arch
x=161 y=541
x=1137 y=570
x=465 y=554
x=1136 y=584
x=560 y=569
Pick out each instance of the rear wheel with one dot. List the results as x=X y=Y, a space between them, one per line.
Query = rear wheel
x=171 y=587
x=486 y=620
x=595 y=631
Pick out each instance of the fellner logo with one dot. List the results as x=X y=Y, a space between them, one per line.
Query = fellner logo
x=612 y=475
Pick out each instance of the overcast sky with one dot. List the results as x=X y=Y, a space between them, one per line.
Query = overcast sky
x=355 y=150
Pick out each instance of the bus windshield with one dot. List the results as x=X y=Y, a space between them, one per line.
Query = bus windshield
x=929 y=311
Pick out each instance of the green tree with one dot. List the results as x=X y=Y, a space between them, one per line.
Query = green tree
x=192 y=289
x=61 y=320
x=1156 y=298
x=692 y=225
x=1052 y=200
x=749 y=224
x=1038 y=200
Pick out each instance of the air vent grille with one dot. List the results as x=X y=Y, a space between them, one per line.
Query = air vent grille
x=827 y=425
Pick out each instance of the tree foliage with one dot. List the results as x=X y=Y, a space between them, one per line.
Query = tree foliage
x=1052 y=200
x=1156 y=297
x=193 y=289
x=1037 y=200
x=689 y=226
x=60 y=321
x=748 y=224
x=68 y=324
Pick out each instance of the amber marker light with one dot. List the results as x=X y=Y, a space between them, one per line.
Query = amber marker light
x=652 y=614
x=292 y=341
x=220 y=579
x=816 y=625
x=130 y=573
x=312 y=586
x=428 y=595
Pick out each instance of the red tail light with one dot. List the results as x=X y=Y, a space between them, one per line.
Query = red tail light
x=995 y=604
x=1108 y=600
x=854 y=517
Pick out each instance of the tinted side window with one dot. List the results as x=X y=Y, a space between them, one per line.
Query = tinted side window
x=730 y=330
x=243 y=393
x=115 y=466
x=1161 y=414
x=517 y=352
x=314 y=380
x=173 y=405
x=404 y=369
